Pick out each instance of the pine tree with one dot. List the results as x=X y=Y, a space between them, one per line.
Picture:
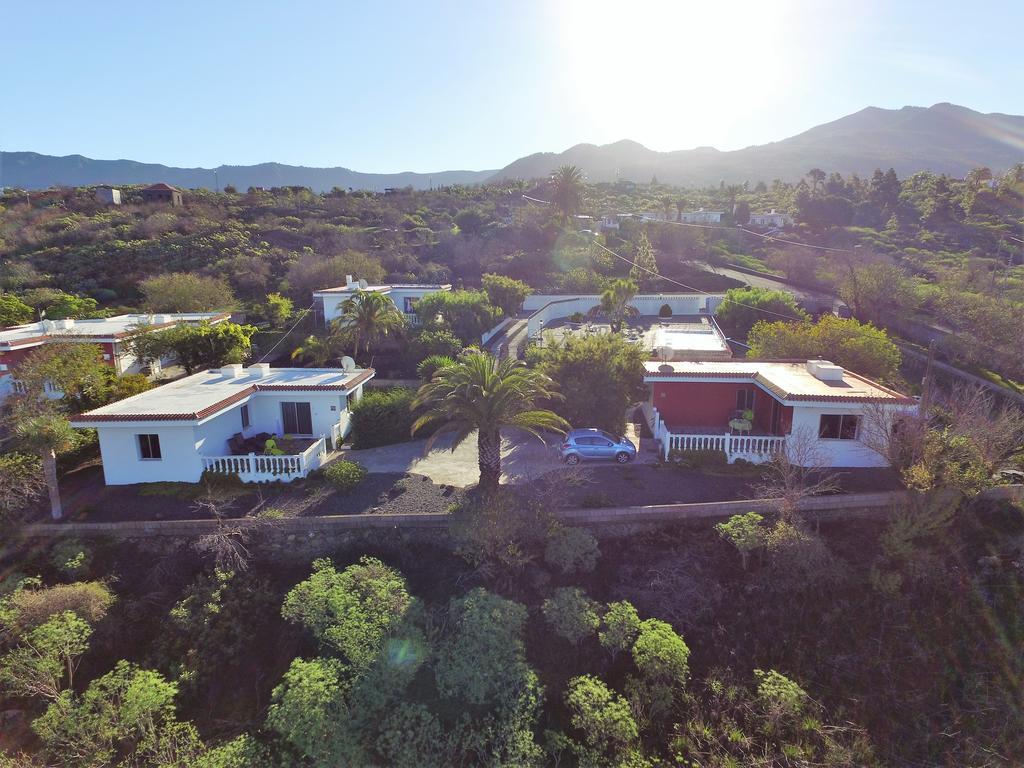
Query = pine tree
x=645 y=268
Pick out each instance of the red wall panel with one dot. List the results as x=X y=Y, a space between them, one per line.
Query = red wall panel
x=712 y=404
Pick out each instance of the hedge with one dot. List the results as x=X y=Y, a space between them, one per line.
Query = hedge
x=382 y=417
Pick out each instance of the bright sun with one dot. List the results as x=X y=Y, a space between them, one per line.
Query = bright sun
x=690 y=69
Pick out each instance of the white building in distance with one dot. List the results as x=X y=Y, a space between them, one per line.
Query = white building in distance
x=328 y=301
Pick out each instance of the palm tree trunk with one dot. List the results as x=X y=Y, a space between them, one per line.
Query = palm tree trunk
x=50 y=473
x=489 y=449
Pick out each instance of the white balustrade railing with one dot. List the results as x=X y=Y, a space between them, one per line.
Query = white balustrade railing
x=753 y=448
x=257 y=468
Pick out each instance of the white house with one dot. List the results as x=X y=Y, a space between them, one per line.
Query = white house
x=217 y=421
x=771 y=219
x=109 y=333
x=700 y=216
x=329 y=300
x=821 y=414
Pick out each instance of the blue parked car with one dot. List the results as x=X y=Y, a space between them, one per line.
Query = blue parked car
x=596 y=444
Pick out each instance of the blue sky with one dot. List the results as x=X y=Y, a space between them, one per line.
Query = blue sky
x=428 y=86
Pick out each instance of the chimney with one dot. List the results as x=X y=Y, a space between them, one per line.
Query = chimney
x=349 y=282
x=232 y=371
x=64 y=324
x=259 y=370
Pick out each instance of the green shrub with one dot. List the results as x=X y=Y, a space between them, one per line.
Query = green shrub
x=698 y=459
x=71 y=557
x=344 y=475
x=431 y=365
x=576 y=317
x=382 y=417
x=572 y=614
x=571 y=550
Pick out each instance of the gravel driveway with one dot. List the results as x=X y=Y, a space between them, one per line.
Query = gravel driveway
x=523 y=458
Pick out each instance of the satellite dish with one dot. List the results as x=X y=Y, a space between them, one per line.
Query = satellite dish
x=348 y=364
x=665 y=353
x=363 y=285
x=665 y=368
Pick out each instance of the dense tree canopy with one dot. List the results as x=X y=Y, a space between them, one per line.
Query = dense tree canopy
x=603 y=374
x=861 y=348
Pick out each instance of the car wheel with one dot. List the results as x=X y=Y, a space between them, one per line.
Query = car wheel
x=622 y=457
x=572 y=459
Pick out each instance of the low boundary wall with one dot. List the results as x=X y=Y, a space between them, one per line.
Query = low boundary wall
x=851 y=505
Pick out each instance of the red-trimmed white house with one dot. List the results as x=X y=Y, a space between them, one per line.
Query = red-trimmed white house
x=217 y=421
x=109 y=333
x=839 y=417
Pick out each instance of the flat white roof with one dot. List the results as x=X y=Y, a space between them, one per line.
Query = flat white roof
x=789 y=380
x=386 y=288
x=208 y=392
x=101 y=327
x=699 y=336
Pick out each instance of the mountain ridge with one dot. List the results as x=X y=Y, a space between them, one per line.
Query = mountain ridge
x=944 y=138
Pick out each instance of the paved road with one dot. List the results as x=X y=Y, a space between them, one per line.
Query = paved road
x=523 y=459
x=757 y=281
x=965 y=376
x=509 y=341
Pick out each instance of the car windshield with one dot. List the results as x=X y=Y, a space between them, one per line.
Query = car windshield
x=613 y=438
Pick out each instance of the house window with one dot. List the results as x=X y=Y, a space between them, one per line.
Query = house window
x=149 y=447
x=297 y=418
x=835 y=427
x=410 y=305
x=245 y=416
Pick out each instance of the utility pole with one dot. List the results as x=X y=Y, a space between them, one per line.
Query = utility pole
x=926 y=382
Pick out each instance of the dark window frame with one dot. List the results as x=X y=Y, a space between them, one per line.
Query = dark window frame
x=149 y=447
x=245 y=416
x=839 y=426
x=298 y=411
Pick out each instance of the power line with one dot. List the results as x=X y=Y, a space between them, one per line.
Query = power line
x=676 y=282
x=690 y=287
x=302 y=314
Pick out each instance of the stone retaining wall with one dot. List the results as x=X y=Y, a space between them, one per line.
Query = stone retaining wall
x=852 y=505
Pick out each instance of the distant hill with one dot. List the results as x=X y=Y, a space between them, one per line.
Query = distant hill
x=944 y=138
x=29 y=170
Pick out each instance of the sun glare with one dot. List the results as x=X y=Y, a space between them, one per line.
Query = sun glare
x=688 y=67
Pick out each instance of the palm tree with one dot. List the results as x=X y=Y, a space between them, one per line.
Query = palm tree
x=615 y=302
x=319 y=350
x=367 y=317
x=47 y=435
x=568 y=189
x=483 y=394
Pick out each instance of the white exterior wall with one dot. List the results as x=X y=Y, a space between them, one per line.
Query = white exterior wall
x=332 y=305
x=333 y=301
x=122 y=464
x=265 y=410
x=646 y=304
x=182 y=446
x=684 y=301
x=833 y=452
